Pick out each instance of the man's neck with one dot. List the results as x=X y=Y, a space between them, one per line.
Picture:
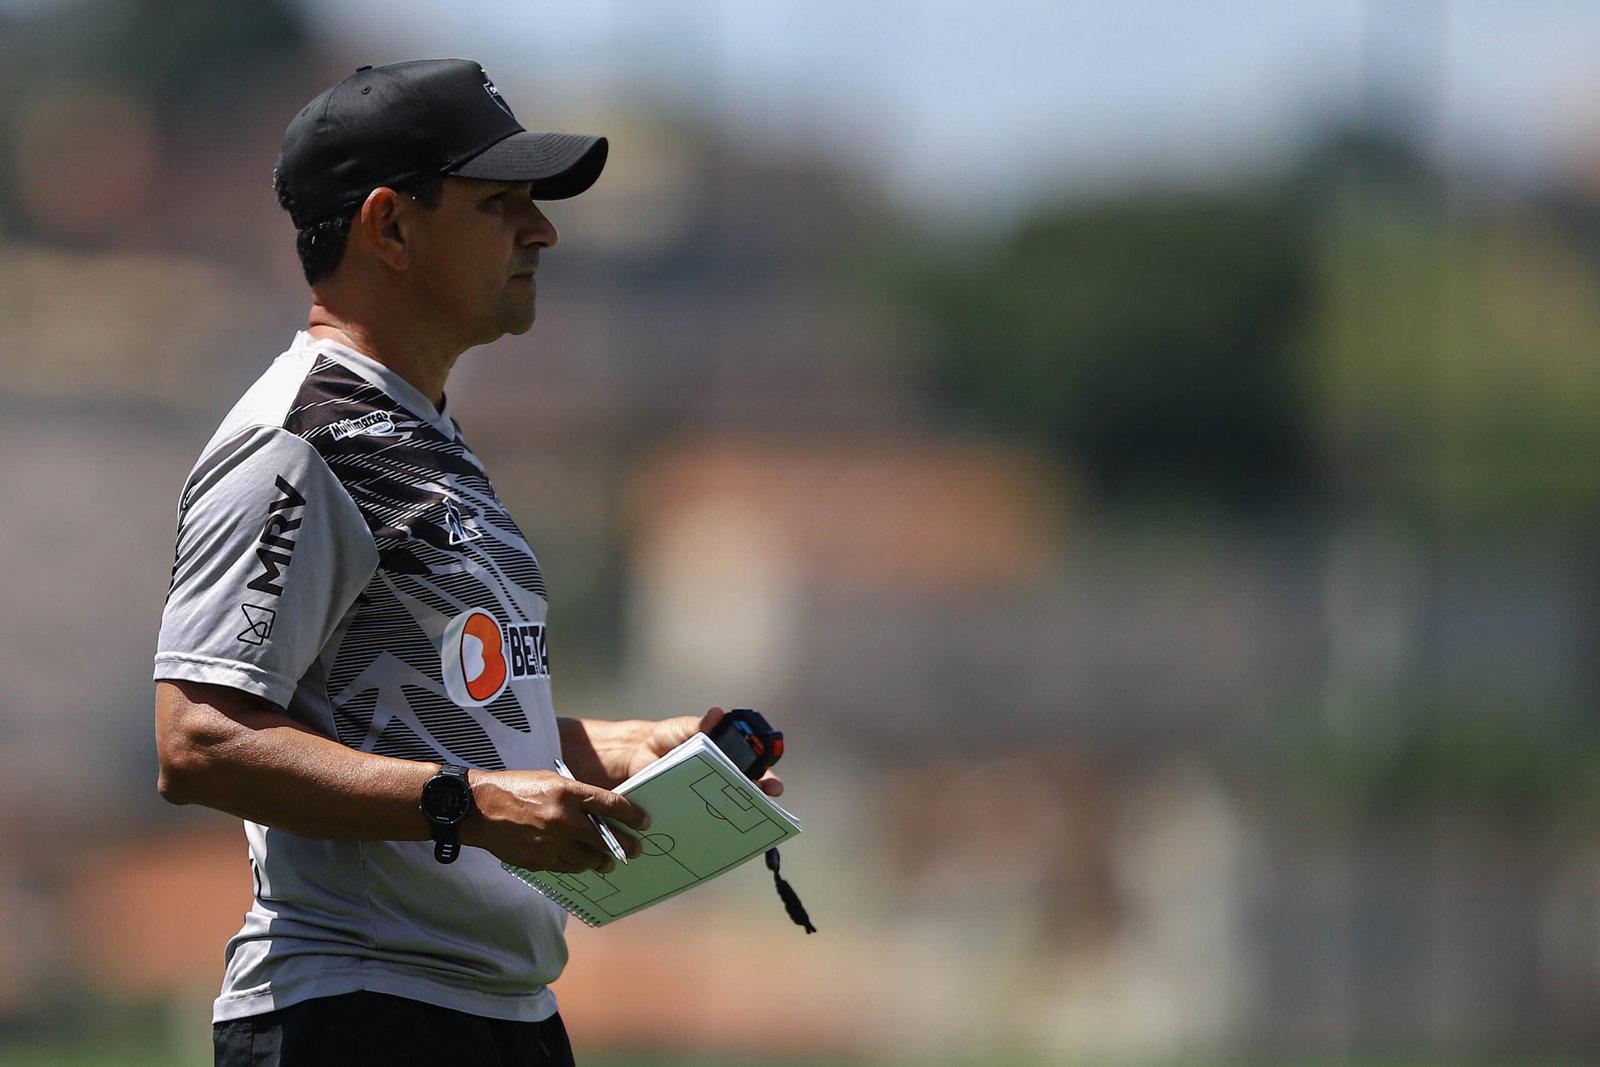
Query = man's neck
x=424 y=369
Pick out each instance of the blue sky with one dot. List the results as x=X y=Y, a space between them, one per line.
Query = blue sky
x=967 y=104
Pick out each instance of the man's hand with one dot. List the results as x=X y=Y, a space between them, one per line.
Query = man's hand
x=540 y=820
x=659 y=738
x=607 y=753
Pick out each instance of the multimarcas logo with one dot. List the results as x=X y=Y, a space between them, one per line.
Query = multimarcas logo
x=481 y=656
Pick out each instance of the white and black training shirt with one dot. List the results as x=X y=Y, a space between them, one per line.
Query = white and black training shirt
x=341 y=553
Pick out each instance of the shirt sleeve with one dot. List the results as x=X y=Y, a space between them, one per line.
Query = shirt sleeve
x=271 y=554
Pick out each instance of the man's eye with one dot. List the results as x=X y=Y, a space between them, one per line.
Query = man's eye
x=509 y=198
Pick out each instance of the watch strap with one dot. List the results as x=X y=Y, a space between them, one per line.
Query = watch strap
x=446 y=835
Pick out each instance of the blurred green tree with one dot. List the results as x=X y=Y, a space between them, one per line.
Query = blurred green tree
x=177 y=53
x=1363 y=327
x=173 y=55
x=1149 y=339
x=1451 y=355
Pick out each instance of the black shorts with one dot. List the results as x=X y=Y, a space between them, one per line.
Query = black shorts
x=374 y=1028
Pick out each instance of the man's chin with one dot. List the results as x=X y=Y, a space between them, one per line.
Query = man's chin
x=520 y=321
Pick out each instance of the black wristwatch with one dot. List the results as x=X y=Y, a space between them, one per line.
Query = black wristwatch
x=446 y=800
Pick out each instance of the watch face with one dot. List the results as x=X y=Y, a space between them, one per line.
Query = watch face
x=446 y=799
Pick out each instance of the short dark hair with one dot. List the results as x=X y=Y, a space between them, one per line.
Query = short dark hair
x=320 y=244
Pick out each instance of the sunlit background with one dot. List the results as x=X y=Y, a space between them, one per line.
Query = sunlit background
x=1144 y=454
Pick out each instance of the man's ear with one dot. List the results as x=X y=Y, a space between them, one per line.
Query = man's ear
x=381 y=222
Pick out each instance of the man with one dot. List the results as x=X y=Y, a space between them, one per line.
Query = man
x=353 y=655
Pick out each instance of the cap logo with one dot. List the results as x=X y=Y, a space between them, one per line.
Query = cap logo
x=494 y=94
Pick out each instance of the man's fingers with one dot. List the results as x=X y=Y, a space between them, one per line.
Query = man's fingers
x=598 y=859
x=631 y=845
x=592 y=837
x=709 y=720
x=542 y=821
x=582 y=856
x=614 y=806
x=593 y=800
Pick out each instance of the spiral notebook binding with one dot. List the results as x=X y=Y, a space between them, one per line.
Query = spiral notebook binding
x=572 y=908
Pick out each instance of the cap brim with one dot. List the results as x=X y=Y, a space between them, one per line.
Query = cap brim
x=560 y=165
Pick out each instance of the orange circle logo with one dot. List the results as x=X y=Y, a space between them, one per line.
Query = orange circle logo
x=483 y=661
x=474 y=659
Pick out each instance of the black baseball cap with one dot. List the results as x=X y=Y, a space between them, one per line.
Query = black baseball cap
x=402 y=122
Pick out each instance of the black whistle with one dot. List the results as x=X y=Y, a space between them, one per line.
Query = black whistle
x=745 y=736
x=753 y=745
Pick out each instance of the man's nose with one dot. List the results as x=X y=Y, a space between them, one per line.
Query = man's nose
x=538 y=229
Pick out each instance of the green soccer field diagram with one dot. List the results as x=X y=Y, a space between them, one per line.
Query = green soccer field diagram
x=712 y=829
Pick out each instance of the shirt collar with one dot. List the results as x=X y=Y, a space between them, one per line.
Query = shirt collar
x=385 y=378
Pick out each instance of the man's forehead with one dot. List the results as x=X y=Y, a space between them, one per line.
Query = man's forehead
x=481 y=185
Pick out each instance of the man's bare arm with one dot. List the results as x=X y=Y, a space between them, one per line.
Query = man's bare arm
x=226 y=749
